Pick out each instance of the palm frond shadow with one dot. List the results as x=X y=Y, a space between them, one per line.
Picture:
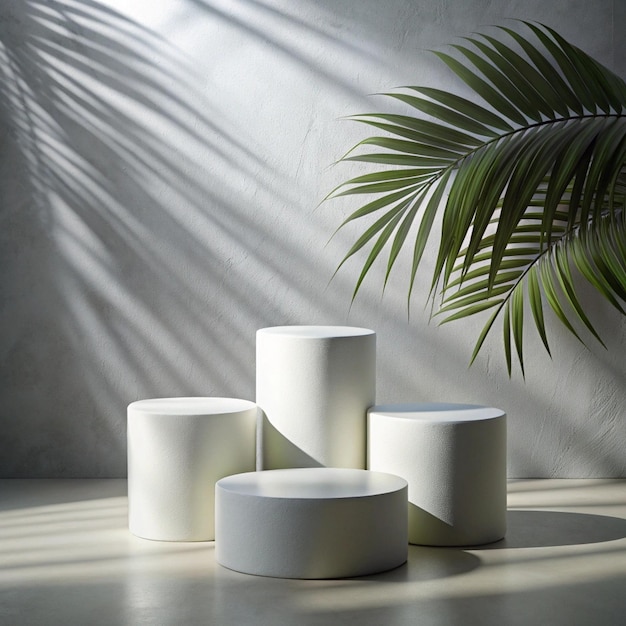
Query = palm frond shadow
x=116 y=215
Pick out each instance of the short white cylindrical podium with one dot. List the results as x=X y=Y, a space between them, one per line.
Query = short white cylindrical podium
x=314 y=386
x=178 y=448
x=311 y=522
x=454 y=458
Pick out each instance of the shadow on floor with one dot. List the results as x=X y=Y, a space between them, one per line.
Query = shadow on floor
x=426 y=563
x=19 y=493
x=542 y=529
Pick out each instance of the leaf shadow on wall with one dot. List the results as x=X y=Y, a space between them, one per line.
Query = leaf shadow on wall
x=130 y=267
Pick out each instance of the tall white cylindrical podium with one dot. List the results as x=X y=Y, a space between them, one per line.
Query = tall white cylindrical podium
x=314 y=386
x=178 y=448
x=454 y=458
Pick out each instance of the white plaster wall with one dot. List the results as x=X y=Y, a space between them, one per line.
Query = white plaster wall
x=161 y=163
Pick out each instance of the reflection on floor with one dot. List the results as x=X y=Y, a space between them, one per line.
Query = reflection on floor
x=66 y=557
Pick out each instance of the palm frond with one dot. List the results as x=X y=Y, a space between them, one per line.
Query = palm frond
x=531 y=183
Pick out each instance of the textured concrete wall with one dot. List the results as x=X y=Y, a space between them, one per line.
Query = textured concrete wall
x=160 y=166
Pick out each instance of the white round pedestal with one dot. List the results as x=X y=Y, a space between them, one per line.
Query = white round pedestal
x=311 y=522
x=454 y=459
x=314 y=386
x=178 y=448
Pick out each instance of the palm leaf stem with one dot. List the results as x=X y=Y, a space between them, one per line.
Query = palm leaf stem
x=455 y=164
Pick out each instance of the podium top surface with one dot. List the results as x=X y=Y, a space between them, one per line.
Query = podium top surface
x=437 y=412
x=316 y=332
x=312 y=483
x=190 y=406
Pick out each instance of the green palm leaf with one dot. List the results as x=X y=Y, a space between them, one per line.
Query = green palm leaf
x=531 y=184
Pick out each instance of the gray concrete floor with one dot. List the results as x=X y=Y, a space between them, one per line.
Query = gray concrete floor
x=66 y=557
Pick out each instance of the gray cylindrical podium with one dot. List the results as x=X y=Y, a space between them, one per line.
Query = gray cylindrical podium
x=453 y=457
x=314 y=386
x=311 y=522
